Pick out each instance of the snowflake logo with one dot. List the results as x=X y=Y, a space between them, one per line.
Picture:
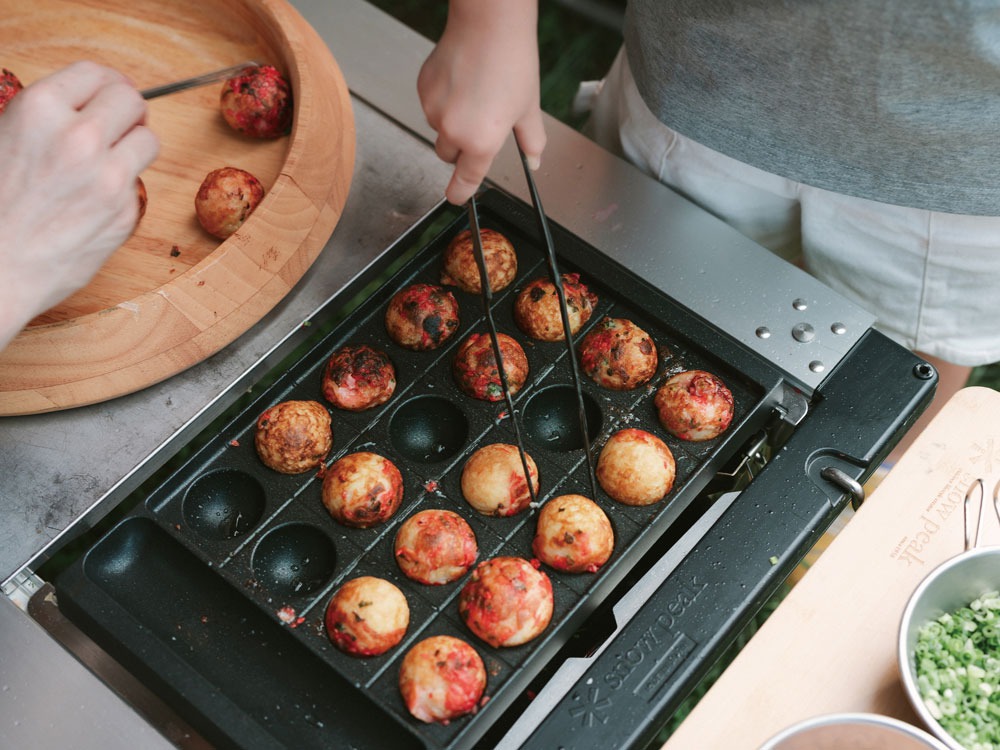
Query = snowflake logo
x=988 y=454
x=594 y=712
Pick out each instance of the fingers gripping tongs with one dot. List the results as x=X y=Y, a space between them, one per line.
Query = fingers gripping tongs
x=556 y=278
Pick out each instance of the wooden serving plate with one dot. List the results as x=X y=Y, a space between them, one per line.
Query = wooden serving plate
x=173 y=295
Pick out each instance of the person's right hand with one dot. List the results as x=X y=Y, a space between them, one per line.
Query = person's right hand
x=74 y=144
x=480 y=82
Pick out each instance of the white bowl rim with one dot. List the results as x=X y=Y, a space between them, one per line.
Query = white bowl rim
x=854 y=718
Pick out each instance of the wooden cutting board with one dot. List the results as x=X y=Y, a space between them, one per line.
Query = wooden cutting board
x=830 y=647
x=173 y=295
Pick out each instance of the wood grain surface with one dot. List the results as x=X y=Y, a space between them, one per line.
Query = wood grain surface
x=830 y=647
x=173 y=295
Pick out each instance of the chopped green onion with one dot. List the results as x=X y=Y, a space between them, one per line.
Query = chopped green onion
x=957 y=661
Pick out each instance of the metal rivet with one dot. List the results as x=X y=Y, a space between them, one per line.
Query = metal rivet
x=924 y=371
x=763 y=332
x=839 y=328
x=817 y=366
x=803 y=333
x=800 y=304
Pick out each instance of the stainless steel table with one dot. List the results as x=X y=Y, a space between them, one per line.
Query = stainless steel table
x=61 y=472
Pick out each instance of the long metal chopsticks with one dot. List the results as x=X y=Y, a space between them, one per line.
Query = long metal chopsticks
x=487 y=292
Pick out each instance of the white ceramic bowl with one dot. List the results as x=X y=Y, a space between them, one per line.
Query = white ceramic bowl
x=859 y=731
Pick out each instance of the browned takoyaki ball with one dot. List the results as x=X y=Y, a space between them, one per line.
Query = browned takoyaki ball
x=358 y=377
x=536 y=309
x=226 y=199
x=573 y=535
x=367 y=616
x=476 y=371
x=618 y=354
x=493 y=480
x=460 y=267
x=421 y=317
x=636 y=467
x=442 y=678
x=506 y=601
x=258 y=102
x=435 y=547
x=10 y=85
x=140 y=189
x=694 y=405
x=294 y=436
x=362 y=489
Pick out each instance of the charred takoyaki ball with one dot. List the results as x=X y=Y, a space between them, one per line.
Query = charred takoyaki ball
x=476 y=371
x=493 y=480
x=442 y=678
x=226 y=199
x=362 y=489
x=536 y=309
x=460 y=267
x=294 y=436
x=358 y=377
x=258 y=102
x=140 y=188
x=573 y=535
x=9 y=86
x=421 y=317
x=435 y=547
x=617 y=354
x=506 y=601
x=367 y=616
x=636 y=467
x=694 y=405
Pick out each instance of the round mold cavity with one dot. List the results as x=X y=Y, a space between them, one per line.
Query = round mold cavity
x=428 y=429
x=223 y=504
x=552 y=418
x=294 y=559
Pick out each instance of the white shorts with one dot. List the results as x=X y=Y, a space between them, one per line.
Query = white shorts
x=928 y=276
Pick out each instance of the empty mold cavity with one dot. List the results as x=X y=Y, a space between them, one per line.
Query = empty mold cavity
x=294 y=559
x=223 y=504
x=552 y=418
x=428 y=429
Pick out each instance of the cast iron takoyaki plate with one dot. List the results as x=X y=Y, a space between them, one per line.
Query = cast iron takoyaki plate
x=213 y=589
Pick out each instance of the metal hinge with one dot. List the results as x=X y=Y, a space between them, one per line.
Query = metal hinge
x=21 y=587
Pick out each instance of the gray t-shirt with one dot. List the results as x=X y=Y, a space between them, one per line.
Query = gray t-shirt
x=896 y=101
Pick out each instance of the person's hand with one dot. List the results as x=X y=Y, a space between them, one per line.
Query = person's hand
x=74 y=144
x=479 y=83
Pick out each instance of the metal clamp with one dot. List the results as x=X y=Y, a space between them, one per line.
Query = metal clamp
x=845 y=482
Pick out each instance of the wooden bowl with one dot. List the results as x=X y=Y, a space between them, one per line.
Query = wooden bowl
x=173 y=295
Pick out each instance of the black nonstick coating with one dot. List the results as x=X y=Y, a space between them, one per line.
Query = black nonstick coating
x=232 y=525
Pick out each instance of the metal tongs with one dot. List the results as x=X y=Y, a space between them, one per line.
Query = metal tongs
x=202 y=80
x=487 y=293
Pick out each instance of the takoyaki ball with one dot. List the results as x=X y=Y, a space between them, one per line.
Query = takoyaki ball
x=476 y=371
x=294 y=436
x=636 y=467
x=258 y=102
x=536 y=309
x=618 y=354
x=367 y=616
x=421 y=317
x=694 y=405
x=442 y=678
x=493 y=480
x=225 y=200
x=362 y=489
x=435 y=547
x=573 y=535
x=506 y=601
x=10 y=85
x=140 y=189
x=460 y=267
x=358 y=377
